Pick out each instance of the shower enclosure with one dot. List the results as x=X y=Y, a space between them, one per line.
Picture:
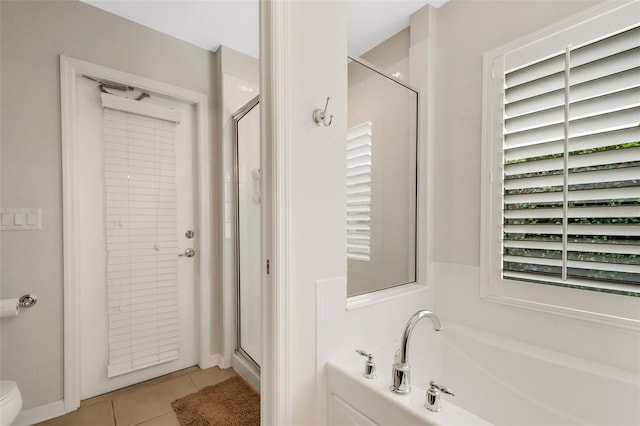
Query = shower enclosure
x=246 y=135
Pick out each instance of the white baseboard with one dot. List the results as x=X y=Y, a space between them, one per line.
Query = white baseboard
x=40 y=413
x=246 y=371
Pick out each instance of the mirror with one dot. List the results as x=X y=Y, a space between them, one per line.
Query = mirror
x=381 y=178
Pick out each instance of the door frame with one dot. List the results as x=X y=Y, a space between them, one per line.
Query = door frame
x=276 y=70
x=70 y=69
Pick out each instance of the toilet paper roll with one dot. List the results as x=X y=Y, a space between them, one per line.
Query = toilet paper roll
x=8 y=308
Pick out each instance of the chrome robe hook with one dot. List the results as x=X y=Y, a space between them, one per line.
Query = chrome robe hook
x=320 y=116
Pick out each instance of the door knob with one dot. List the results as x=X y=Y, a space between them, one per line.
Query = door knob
x=188 y=253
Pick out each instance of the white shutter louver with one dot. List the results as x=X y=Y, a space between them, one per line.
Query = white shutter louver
x=140 y=192
x=572 y=166
x=359 y=192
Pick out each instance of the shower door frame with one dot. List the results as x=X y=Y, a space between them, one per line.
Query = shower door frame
x=235 y=118
x=70 y=69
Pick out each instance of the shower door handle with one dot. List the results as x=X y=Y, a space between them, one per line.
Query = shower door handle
x=188 y=253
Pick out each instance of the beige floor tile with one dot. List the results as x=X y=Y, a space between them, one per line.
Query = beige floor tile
x=115 y=393
x=99 y=414
x=211 y=376
x=168 y=419
x=150 y=402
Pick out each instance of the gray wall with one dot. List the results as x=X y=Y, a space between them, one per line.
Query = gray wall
x=465 y=30
x=33 y=35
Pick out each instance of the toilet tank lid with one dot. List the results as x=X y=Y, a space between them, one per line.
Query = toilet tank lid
x=6 y=388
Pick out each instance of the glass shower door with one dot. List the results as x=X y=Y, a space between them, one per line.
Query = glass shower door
x=248 y=199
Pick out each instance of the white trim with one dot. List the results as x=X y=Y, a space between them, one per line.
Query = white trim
x=205 y=225
x=585 y=311
x=386 y=295
x=71 y=297
x=70 y=69
x=611 y=309
x=275 y=69
x=40 y=413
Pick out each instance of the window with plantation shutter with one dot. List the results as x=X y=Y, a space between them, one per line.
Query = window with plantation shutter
x=572 y=165
x=561 y=191
x=140 y=223
x=359 y=192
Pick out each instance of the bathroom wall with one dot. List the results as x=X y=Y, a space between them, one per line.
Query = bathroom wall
x=465 y=30
x=454 y=37
x=33 y=35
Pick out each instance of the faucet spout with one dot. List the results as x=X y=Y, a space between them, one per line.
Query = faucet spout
x=401 y=373
x=408 y=330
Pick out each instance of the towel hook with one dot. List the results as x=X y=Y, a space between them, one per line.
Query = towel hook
x=320 y=116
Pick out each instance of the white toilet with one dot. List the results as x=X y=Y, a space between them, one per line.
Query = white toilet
x=10 y=402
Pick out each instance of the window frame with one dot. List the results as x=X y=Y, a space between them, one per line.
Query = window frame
x=614 y=309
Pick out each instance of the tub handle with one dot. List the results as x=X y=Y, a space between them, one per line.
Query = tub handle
x=441 y=388
x=369 y=365
x=433 y=396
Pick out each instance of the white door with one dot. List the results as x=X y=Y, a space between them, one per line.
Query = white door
x=92 y=250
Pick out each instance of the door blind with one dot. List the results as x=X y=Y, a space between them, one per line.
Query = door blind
x=359 y=192
x=572 y=166
x=140 y=223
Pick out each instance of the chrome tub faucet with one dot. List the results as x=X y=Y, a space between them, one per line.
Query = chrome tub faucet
x=401 y=381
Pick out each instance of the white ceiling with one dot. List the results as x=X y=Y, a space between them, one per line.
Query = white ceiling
x=234 y=23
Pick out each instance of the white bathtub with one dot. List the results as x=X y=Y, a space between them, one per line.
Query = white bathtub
x=496 y=380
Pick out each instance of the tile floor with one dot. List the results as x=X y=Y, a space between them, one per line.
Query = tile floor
x=147 y=403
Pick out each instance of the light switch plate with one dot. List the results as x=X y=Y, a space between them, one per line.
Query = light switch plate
x=21 y=219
